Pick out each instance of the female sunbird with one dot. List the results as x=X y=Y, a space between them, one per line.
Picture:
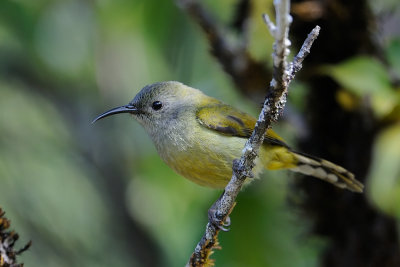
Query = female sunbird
x=199 y=137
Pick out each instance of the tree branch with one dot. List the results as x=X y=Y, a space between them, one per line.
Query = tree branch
x=246 y=73
x=274 y=103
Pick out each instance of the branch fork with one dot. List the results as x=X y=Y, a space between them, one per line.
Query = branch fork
x=283 y=74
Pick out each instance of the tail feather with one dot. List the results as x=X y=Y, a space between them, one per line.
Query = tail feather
x=327 y=171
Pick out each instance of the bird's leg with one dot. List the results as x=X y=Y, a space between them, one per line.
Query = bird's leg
x=216 y=218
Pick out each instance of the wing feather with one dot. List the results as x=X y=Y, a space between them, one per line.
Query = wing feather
x=230 y=121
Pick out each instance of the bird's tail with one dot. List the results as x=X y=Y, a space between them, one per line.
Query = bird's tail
x=327 y=171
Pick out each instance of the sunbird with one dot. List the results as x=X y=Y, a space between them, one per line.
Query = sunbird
x=199 y=137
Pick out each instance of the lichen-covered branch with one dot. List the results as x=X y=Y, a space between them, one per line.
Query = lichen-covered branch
x=274 y=103
x=8 y=255
x=297 y=62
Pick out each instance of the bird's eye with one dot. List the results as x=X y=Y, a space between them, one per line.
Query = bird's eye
x=156 y=105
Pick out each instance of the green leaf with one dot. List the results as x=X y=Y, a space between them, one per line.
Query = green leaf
x=384 y=182
x=366 y=76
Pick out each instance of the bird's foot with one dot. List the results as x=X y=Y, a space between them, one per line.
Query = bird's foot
x=218 y=220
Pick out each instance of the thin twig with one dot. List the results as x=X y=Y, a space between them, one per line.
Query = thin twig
x=271 y=26
x=273 y=106
x=296 y=64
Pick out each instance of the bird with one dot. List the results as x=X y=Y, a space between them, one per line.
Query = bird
x=199 y=137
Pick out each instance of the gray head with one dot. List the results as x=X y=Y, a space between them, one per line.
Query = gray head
x=157 y=104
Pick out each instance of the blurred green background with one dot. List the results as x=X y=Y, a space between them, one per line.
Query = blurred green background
x=98 y=195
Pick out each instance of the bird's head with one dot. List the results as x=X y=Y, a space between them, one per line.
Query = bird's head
x=159 y=104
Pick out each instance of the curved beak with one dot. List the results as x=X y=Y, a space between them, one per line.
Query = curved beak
x=123 y=109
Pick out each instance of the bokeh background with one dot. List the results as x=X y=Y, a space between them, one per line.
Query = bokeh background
x=99 y=195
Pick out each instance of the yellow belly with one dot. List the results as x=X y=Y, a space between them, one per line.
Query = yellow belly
x=208 y=162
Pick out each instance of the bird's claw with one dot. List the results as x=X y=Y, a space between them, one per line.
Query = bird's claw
x=227 y=222
x=216 y=219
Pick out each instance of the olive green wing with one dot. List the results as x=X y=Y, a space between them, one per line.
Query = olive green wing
x=230 y=121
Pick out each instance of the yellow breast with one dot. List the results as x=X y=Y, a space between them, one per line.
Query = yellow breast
x=208 y=160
